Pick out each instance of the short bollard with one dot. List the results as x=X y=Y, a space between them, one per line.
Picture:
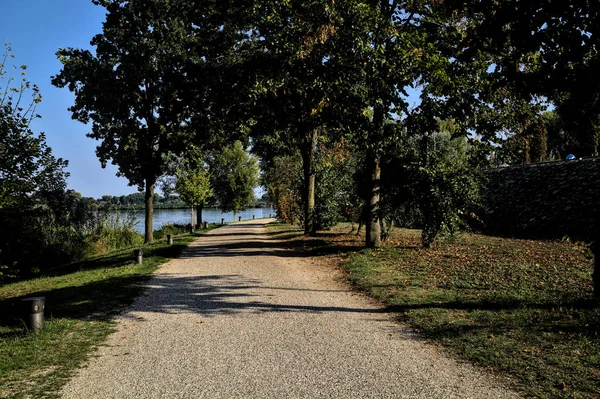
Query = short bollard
x=239 y=218
x=222 y=220
x=34 y=312
x=206 y=225
x=253 y=217
x=139 y=255
x=169 y=239
x=269 y=215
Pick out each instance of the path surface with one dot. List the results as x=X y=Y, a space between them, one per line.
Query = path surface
x=240 y=316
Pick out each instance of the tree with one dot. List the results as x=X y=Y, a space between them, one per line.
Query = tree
x=384 y=45
x=234 y=175
x=27 y=165
x=194 y=187
x=293 y=44
x=541 y=49
x=282 y=179
x=32 y=180
x=131 y=90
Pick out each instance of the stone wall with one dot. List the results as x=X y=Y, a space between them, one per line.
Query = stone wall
x=543 y=200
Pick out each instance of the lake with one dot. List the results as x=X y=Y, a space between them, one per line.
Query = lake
x=211 y=215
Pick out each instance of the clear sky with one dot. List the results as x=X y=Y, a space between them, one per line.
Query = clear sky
x=36 y=29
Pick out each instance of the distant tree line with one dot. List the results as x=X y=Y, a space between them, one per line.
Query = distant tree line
x=137 y=201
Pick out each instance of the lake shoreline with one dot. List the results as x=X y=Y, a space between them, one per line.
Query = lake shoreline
x=162 y=217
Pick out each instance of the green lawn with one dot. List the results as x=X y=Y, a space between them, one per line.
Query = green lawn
x=521 y=308
x=81 y=300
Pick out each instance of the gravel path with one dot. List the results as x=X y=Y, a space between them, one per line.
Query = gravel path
x=239 y=316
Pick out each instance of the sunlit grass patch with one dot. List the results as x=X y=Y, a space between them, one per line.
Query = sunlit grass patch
x=520 y=307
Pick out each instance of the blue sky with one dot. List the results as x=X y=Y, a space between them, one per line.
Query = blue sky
x=36 y=29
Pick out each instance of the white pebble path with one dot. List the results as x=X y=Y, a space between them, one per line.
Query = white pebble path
x=239 y=316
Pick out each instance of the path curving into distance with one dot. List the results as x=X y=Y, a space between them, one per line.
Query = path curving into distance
x=241 y=316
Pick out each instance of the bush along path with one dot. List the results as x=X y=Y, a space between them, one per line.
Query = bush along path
x=81 y=301
x=243 y=314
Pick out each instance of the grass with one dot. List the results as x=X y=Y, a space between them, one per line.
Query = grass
x=81 y=300
x=520 y=308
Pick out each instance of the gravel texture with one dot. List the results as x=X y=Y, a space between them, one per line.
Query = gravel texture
x=241 y=316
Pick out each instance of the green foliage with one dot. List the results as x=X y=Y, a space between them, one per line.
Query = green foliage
x=193 y=185
x=234 y=175
x=38 y=220
x=27 y=166
x=283 y=181
x=541 y=49
x=333 y=174
x=436 y=177
x=334 y=169
x=130 y=89
x=112 y=231
x=136 y=201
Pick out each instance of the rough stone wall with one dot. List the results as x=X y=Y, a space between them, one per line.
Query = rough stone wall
x=543 y=200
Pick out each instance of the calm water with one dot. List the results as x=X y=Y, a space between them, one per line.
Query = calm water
x=211 y=215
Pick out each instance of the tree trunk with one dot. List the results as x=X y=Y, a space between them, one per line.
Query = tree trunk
x=149 y=194
x=199 y=216
x=373 y=225
x=308 y=159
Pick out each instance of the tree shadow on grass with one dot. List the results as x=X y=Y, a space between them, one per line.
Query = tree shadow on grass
x=119 y=258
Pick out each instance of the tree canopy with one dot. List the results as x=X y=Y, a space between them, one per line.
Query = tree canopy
x=234 y=175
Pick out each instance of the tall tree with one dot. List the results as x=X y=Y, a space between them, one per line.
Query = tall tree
x=133 y=89
x=32 y=179
x=384 y=47
x=192 y=183
x=27 y=165
x=234 y=175
x=292 y=45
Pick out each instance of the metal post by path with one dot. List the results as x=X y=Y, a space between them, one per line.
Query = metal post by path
x=222 y=220
x=239 y=218
x=139 y=255
x=206 y=225
x=192 y=221
x=169 y=239
x=34 y=312
x=253 y=217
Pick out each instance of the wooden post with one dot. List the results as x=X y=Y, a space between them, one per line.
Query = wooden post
x=169 y=239
x=192 y=221
x=222 y=220
x=253 y=217
x=206 y=225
